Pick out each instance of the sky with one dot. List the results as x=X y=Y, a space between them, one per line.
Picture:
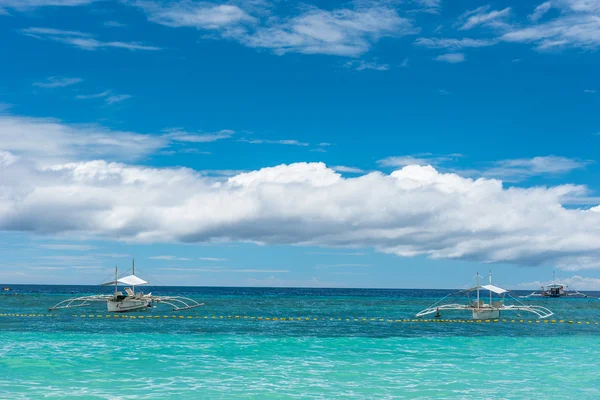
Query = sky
x=396 y=144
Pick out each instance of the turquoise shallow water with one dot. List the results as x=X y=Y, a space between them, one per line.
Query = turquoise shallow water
x=72 y=357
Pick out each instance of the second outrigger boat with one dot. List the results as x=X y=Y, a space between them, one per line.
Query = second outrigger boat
x=555 y=288
x=478 y=306
x=131 y=301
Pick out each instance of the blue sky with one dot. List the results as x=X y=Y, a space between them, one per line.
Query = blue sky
x=252 y=143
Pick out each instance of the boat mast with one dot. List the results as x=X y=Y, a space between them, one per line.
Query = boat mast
x=477 y=290
x=133 y=273
x=490 y=290
x=116 y=277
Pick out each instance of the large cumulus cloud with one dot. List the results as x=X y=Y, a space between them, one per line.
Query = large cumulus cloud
x=413 y=211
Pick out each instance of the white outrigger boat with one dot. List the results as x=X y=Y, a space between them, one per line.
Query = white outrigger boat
x=130 y=301
x=479 y=308
x=555 y=289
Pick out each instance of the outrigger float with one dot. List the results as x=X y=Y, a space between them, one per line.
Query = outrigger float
x=131 y=301
x=555 y=289
x=479 y=308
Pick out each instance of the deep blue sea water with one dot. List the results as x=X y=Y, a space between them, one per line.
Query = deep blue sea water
x=340 y=343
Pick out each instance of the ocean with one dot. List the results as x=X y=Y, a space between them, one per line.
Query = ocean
x=280 y=343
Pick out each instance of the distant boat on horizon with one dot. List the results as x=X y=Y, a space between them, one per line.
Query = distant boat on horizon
x=555 y=289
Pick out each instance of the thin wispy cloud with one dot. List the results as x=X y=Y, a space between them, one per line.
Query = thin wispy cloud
x=452 y=58
x=428 y=6
x=179 y=135
x=50 y=140
x=107 y=95
x=54 y=82
x=93 y=96
x=342 y=32
x=346 y=169
x=117 y=98
x=28 y=5
x=576 y=25
x=82 y=40
x=523 y=168
x=453 y=44
x=361 y=65
x=287 y=142
x=540 y=11
x=215 y=259
x=418 y=159
x=482 y=16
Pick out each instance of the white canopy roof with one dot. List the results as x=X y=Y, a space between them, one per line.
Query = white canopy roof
x=494 y=289
x=131 y=280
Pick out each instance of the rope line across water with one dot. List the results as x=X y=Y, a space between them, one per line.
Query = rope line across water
x=303 y=319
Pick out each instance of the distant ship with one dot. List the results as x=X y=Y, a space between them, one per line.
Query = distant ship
x=6 y=288
x=555 y=289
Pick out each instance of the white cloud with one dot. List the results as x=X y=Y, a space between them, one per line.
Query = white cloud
x=117 y=98
x=48 y=140
x=109 y=98
x=522 y=168
x=361 y=65
x=341 y=32
x=196 y=15
x=25 y=5
x=413 y=211
x=482 y=16
x=179 y=135
x=540 y=11
x=93 y=96
x=577 y=25
x=589 y=91
x=422 y=159
x=511 y=170
x=452 y=58
x=429 y=6
x=82 y=40
x=453 y=44
x=211 y=259
x=54 y=82
x=349 y=170
x=288 y=142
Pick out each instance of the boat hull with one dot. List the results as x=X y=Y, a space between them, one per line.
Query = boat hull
x=486 y=314
x=128 y=305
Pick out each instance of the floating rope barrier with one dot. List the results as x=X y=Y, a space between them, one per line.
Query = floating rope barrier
x=305 y=319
